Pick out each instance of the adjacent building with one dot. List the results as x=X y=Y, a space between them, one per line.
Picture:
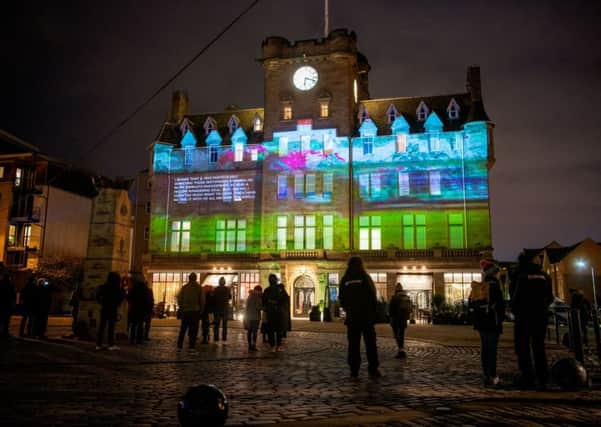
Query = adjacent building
x=319 y=173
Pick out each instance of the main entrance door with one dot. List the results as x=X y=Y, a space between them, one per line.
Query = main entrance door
x=303 y=293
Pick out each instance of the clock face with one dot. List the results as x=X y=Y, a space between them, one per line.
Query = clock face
x=305 y=78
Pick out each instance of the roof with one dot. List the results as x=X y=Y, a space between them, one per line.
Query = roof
x=557 y=254
x=172 y=133
x=10 y=144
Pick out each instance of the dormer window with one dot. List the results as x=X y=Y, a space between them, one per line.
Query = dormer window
x=363 y=114
x=257 y=123
x=422 y=111
x=453 y=109
x=233 y=124
x=286 y=110
x=185 y=126
x=209 y=125
x=391 y=114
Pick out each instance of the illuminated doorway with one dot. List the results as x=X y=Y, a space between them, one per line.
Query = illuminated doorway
x=303 y=295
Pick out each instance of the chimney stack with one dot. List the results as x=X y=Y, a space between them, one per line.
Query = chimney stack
x=472 y=84
x=180 y=106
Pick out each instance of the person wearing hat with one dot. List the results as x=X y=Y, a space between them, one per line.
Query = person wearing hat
x=487 y=308
x=399 y=311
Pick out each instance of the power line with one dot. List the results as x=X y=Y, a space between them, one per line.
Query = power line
x=123 y=122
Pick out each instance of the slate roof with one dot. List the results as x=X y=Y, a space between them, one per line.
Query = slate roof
x=554 y=252
x=171 y=133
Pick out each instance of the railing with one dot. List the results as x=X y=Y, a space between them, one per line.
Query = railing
x=233 y=255
x=370 y=253
x=466 y=252
x=414 y=253
x=302 y=254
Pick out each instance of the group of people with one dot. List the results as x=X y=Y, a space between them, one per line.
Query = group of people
x=36 y=298
x=530 y=295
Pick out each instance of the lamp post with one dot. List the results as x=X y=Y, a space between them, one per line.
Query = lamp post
x=581 y=263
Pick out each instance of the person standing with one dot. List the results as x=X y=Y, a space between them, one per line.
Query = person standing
x=207 y=312
x=358 y=298
x=531 y=294
x=399 y=311
x=137 y=299
x=148 y=310
x=222 y=297
x=45 y=290
x=74 y=302
x=191 y=303
x=487 y=307
x=581 y=304
x=110 y=296
x=8 y=298
x=30 y=300
x=252 y=316
x=274 y=301
x=286 y=314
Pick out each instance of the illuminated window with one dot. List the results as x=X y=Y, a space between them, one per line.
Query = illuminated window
x=213 y=154
x=287 y=113
x=370 y=232
x=257 y=124
x=283 y=146
x=254 y=154
x=146 y=233
x=363 y=114
x=391 y=114
x=305 y=143
x=435 y=183
x=304 y=232
x=380 y=283
x=370 y=185
x=328 y=231
x=414 y=231
x=404 y=188
x=220 y=236
x=456 y=231
x=180 y=236
x=328 y=184
x=148 y=207
x=401 y=143
x=188 y=156
x=458 y=286
x=1 y=172
x=230 y=235
x=238 y=152
x=368 y=145
x=422 y=111
x=18 y=176
x=324 y=107
x=310 y=184
x=453 y=109
x=282 y=186
x=282 y=223
x=299 y=186
x=12 y=235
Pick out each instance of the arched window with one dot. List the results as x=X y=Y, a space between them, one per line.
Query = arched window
x=422 y=111
x=363 y=114
x=391 y=114
x=233 y=124
x=453 y=109
x=209 y=125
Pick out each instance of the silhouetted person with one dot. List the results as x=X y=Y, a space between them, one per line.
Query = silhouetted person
x=207 y=312
x=531 y=294
x=45 y=290
x=399 y=311
x=358 y=299
x=252 y=316
x=274 y=303
x=138 y=305
x=221 y=298
x=110 y=296
x=191 y=303
x=74 y=302
x=8 y=298
x=580 y=303
x=148 y=310
x=30 y=298
x=488 y=312
x=286 y=313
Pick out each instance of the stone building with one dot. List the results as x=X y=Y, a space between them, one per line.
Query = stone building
x=320 y=172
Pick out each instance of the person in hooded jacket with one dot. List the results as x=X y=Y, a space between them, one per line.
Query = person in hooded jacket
x=358 y=298
x=488 y=315
x=110 y=296
x=399 y=311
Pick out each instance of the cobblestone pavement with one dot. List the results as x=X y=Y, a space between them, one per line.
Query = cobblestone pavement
x=67 y=382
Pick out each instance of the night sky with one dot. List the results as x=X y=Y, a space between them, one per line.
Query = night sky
x=76 y=69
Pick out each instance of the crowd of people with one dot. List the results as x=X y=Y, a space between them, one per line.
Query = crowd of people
x=267 y=314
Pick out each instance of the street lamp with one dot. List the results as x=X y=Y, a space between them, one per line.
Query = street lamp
x=580 y=263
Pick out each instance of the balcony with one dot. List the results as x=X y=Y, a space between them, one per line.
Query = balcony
x=302 y=254
x=414 y=253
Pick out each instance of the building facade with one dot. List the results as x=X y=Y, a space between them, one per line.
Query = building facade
x=319 y=173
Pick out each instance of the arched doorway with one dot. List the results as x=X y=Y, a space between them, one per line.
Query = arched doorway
x=303 y=292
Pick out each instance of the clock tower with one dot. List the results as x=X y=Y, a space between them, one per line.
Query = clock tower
x=319 y=79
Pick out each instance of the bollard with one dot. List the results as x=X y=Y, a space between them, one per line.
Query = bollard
x=577 y=336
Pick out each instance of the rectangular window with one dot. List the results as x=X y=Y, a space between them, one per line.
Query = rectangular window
x=299 y=186
x=380 y=283
x=368 y=145
x=408 y=232
x=328 y=184
x=254 y=154
x=230 y=235
x=146 y=233
x=305 y=143
x=287 y=112
x=213 y=154
x=281 y=232
x=238 y=152
x=401 y=143
x=310 y=232
x=241 y=236
x=370 y=232
x=12 y=235
x=220 y=236
x=435 y=183
x=304 y=232
x=188 y=155
x=282 y=186
x=299 y=232
x=18 y=176
x=180 y=236
x=420 y=231
x=414 y=231
x=324 y=109
x=328 y=232
x=310 y=184
x=1 y=172
x=403 y=184
x=456 y=231
x=283 y=146
x=376 y=185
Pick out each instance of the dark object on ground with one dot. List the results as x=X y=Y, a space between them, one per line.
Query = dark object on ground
x=203 y=405
x=315 y=314
x=569 y=374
